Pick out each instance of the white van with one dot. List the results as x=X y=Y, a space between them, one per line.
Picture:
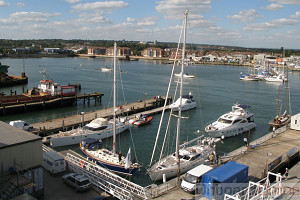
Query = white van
x=53 y=162
x=21 y=124
x=194 y=176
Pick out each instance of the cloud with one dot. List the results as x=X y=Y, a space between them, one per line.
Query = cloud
x=245 y=16
x=32 y=16
x=174 y=9
x=297 y=15
x=3 y=4
x=292 y=2
x=130 y=20
x=20 y=4
x=92 y=18
x=146 y=21
x=73 y=1
x=277 y=23
x=273 y=6
x=105 y=5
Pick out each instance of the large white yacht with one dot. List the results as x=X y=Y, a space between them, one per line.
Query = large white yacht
x=235 y=122
x=99 y=128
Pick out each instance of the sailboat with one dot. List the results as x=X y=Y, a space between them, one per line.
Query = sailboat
x=186 y=156
x=106 y=158
x=284 y=119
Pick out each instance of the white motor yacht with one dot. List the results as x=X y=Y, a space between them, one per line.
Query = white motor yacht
x=186 y=104
x=232 y=123
x=99 y=128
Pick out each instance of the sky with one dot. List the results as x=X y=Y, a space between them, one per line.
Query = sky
x=243 y=23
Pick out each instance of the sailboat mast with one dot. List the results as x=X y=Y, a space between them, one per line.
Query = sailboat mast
x=115 y=97
x=286 y=91
x=181 y=83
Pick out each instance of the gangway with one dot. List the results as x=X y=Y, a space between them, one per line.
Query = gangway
x=106 y=180
x=262 y=190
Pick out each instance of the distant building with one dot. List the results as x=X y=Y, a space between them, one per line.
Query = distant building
x=52 y=50
x=97 y=50
x=121 y=51
x=153 y=52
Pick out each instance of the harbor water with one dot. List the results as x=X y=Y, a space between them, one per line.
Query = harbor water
x=215 y=89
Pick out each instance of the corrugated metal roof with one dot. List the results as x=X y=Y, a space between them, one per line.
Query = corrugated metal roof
x=11 y=136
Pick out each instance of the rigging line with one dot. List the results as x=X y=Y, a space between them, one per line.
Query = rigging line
x=166 y=133
x=163 y=112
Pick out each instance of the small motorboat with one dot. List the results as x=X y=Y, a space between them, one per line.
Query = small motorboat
x=186 y=75
x=187 y=103
x=106 y=69
x=143 y=119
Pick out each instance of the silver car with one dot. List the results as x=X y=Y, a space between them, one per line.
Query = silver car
x=77 y=181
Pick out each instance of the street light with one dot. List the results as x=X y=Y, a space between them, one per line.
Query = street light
x=82 y=122
x=266 y=168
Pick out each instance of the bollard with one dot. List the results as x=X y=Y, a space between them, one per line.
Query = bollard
x=164 y=178
x=277 y=177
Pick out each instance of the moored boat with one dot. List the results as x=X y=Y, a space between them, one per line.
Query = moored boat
x=235 y=122
x=142 y=120
x=105 y=157
x=93 y=149
x=106 y=69
x=187 y=103
x=99 y=128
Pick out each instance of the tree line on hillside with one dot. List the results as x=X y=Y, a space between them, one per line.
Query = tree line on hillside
x=36 y=46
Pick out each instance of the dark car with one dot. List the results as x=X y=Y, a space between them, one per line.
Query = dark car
x=77 y=181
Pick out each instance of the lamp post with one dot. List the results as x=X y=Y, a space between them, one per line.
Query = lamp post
x=145 y=95
x=266 y=168
x=82 y=122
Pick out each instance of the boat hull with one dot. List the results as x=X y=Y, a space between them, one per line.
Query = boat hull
x=184 y=107
x=230 y=131
x=280 y=122
x=112 y=167
x=57 y=140
x=157 y=174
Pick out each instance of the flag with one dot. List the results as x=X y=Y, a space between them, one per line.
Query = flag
x=127 y=159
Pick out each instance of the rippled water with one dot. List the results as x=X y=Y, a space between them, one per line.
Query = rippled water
x=215 y=89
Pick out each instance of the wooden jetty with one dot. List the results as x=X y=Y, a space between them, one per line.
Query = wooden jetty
x=150 y=106
x=28 y=105
x=269 y=153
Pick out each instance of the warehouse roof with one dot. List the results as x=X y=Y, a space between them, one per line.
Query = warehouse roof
x=12 y=136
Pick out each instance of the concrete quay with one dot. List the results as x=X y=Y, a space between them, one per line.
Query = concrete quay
x=271 y=154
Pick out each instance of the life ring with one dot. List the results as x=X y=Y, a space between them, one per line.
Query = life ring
x=82 y=164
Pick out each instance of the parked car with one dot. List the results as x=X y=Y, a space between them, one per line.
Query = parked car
x=77 y=181
x=21 y=124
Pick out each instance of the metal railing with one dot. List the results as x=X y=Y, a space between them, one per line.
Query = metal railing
x=259 y=190
x=106 y=180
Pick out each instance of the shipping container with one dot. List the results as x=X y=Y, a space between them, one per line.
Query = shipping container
x=228 y=178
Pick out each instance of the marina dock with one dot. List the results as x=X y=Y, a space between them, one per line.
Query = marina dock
x=24 y=106
x=150 y=106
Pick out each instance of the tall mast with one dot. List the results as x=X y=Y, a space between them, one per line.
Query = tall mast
x=115 y=97
x=180 y=98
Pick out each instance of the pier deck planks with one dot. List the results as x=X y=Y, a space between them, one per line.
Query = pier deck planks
x=149 y=106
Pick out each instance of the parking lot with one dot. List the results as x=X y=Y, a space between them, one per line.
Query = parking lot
x=54 y=188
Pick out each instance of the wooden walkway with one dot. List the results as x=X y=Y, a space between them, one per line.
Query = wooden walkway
x=271 y=154
x=150 y=106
